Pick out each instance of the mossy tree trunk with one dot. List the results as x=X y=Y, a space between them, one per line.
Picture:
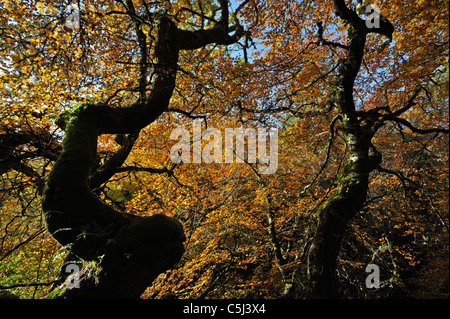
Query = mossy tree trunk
x=358 y=129
x=120 y=254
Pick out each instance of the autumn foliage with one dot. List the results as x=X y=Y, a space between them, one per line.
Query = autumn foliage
x=248 y=235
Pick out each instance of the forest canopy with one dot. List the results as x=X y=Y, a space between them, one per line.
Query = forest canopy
x=224 y=148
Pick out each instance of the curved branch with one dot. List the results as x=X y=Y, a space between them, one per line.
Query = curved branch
x=111 y=166
x=219 y=34
x=410 y=103
x=327 y=158
x=402 y=178
x=385 y=28
x=129 y=250
x=322 y=41
x=421 y=131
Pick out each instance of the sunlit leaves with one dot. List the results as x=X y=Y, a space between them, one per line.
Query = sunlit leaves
x=278 y=75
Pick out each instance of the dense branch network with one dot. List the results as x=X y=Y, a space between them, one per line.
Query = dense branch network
x=134 y=249
x=358 y=128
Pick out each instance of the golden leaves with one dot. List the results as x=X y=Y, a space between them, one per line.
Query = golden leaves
x=45 y=69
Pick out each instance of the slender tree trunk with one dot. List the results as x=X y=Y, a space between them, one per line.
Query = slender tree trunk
x=350 y=195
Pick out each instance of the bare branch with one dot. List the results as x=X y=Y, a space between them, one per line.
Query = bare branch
x=188 y=114
x=39 y=232
x=410 y=103
x=402 y=178
x=156 y=170
x=29 y=285
x=322 y=41
x=415 y=129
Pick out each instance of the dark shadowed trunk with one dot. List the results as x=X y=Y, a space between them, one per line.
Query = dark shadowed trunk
x=350 y=195
x=118 y=254
x=121 y=253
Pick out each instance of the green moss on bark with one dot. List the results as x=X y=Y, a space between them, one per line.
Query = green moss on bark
x=128 y=252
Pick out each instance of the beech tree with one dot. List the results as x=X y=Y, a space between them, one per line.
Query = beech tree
x=358 y=129
x=125 y=252
x=92 y=90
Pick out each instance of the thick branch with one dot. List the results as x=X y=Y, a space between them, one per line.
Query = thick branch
x=322 y=41
x=110 y=167
x=345 y=12
x=142 y=41
x=169 y=41
x=191 y=40
x=385 y=28
x=219 y=34
x=413 y=128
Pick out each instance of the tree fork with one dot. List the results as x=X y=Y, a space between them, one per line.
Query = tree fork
x=121 y=253
x=350 y=195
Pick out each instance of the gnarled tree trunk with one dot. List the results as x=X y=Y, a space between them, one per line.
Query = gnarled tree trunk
x=120 y=254
x=350 y=195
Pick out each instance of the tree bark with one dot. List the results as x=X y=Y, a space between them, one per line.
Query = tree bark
x=120 y=254
x=350 y=195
